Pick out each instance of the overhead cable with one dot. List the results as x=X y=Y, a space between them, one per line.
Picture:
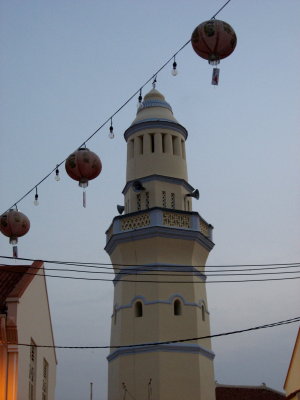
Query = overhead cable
x=270 y=325
x=10 y=270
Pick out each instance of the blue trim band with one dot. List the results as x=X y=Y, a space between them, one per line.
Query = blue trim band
x=159 y=267
x=154 y=103
x=190 y=348
x=157 y=231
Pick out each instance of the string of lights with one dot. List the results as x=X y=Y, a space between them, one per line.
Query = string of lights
x=10 y=270
x=109 y=120
x=255 y=328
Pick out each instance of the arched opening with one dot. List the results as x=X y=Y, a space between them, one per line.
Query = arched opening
x=138 y=310
x=177 y=307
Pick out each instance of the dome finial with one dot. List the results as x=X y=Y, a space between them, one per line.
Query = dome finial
x=154 y=82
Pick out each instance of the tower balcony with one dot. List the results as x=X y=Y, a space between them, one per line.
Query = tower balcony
x=161 y=222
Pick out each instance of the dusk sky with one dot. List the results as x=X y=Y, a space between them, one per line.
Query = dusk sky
x=66 y=67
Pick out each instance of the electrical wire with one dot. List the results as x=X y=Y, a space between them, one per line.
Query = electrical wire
x=149 y=281
x=153 y=76
x=147 y=268
x=270 y=325
x=162 y=273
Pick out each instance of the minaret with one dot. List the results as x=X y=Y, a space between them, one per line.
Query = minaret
x=159 y=246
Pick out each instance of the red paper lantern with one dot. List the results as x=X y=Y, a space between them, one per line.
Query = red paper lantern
x=14 y=224
x=214 y=40
x=83 y=165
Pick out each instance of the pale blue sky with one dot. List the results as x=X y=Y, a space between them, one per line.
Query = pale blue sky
x=66 y=67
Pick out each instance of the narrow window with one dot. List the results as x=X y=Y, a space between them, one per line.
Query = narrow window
x=32 y=370
x=177 y=307
x=203 y=312
x=163 y=142
x=138 y=309
x=152 y=142
x=45 y=380
x=173 y=144
x=173 y=200
x=141 y=144
x=138 y=201
x=164 y=198
x=147 y=200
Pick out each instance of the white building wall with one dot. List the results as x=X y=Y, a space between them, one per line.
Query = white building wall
x=34 y=323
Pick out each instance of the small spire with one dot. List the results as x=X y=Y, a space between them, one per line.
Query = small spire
x=154 y=83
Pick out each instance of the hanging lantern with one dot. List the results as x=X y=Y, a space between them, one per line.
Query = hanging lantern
x=214 y=40
x=83 y=165
x=14 y=224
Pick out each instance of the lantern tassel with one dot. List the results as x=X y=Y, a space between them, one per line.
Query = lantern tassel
x=15 y=251
x=215 y=76
x=84 y=199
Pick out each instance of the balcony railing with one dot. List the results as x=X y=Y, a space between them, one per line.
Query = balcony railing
x=162 y=217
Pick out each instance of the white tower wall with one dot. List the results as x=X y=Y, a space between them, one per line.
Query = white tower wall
x=159 y=248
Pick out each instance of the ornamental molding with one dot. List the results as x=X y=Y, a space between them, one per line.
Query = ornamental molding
x=154 y=123
x=157 y=231
x=190 y=348
x=159 y=268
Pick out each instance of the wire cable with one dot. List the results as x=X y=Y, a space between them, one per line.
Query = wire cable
x=270 y=325
x=161 y=273
x=148 y=281
x=148 y=268
x=153 y=76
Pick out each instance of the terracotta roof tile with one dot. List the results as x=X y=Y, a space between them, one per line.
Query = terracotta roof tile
x=14 y=279
x=247 y=393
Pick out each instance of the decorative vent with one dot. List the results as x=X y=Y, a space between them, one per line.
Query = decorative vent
x=164 y=199
x=204 y=228
x=175 y=219
x=135 y=222
x=173 y=200
x=32 y=370
x=138 y=201
x=147 y=200
x=45 y=380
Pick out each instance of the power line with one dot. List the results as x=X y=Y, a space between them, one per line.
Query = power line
x=162 y=272
x=150 y=281
x=148 y=268
x=270 y=325
x=153 y=76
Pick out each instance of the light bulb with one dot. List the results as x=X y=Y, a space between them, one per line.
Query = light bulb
x=111 y=134
x=140 y=99
x=174 y=71
x=36 y=200
x=57 y=177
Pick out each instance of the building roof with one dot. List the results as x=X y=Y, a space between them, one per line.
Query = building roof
x=228 y=392
x=154 y=108
x=14 y=280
